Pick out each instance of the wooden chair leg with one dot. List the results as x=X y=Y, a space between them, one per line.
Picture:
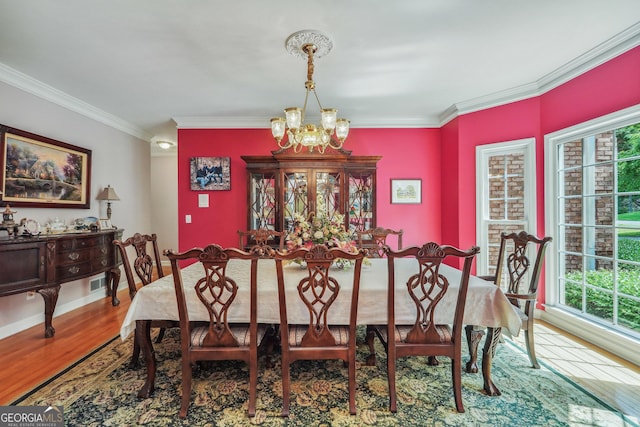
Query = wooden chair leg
x=456 y=374
x=269 y=346
x=285 y=388
x=473 y=340
x=160 y=335
x=371 y=336
x=253 y=381
x=135 y=357
x=352 y=385
x=186 y=387
x=391 y=373
x=531 y=351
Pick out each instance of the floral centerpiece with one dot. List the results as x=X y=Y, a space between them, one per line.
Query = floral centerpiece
x=321 y=229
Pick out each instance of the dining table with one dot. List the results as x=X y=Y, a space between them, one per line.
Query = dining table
x=486 y=305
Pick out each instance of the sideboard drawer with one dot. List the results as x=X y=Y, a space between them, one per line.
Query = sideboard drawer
x=73 y=257
x=68 y=272
x=99 y=264
x=79 y=242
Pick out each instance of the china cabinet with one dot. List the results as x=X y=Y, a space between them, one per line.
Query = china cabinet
x=285 y=184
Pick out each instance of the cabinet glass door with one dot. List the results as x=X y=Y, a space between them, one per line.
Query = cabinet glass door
x=327 y=188
x=361 y=205
x=296 y=199
x=262 y=209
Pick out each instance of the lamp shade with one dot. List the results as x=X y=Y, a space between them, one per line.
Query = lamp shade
x=108 y=193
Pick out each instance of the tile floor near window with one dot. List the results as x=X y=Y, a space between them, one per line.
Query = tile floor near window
x=613 y=380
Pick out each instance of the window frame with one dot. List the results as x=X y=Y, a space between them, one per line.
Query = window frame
x=526 y=146
x=616 y=341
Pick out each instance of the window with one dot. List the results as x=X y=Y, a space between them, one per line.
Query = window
x=506 y=196
x=594 y=217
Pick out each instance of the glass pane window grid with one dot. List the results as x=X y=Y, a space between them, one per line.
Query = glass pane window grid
x=505 y=201
x=599 y=251
x=263 y=207
x=360 y=201
x=506 y=187
x=295 y=197
x=327 y=193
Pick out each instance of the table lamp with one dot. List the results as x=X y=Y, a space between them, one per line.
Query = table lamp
x=108 y=194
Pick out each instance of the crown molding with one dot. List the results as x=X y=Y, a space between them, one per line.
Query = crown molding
x=222 y=122
x=35 y=87
x=615 y=46
x=605 y=51
x=492 y=100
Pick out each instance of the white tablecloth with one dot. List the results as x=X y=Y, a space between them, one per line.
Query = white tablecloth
x=486 y=304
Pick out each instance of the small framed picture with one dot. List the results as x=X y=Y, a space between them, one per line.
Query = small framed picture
x=406 y=191
x=105 y=224
x=210 y=173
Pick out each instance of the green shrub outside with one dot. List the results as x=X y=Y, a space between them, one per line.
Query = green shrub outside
x=600 y=298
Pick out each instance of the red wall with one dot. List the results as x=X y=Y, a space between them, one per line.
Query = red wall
x=406 y=153
x=443 y=158
x=610 y=87
x=613 y=86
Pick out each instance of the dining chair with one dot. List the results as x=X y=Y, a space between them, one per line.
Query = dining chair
x=319 y=338
x=375 y=240
x=261 y=237
x=522 y=277
x=217 y=339
x=147 y=268
x=426 y=288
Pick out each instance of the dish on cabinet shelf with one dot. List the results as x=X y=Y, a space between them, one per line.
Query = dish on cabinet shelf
x=32 y=227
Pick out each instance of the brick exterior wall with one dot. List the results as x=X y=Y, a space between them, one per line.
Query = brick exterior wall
x=604 y=206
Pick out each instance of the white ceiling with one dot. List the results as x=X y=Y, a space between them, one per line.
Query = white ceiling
x=140 y=64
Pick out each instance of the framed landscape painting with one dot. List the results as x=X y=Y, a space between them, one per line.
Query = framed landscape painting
x=43 y=172
x=210 y=173
x=408 y=191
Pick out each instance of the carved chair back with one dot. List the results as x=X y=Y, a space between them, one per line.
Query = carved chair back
x=146 y=263
x=147 y=268
x=319 y=337
x=261 y=237
x=522 y=277
x=378 y=240
x=218 y=339
x=515 y=266
x=426 y=288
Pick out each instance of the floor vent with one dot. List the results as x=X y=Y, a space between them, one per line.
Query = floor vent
x=97 y=284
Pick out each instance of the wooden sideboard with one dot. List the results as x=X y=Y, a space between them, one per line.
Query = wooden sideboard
x=43 y=263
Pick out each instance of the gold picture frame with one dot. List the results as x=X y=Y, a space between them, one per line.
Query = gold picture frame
x=42 y=172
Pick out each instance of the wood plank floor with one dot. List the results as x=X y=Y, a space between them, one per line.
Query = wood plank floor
x=28 y=359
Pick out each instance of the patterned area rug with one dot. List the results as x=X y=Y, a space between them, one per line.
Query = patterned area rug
x=100 y=390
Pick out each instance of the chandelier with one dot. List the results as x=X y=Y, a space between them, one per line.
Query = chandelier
x=309 y=44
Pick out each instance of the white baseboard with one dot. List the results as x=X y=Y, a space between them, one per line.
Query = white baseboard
x=28 y=322
x=621 y=345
